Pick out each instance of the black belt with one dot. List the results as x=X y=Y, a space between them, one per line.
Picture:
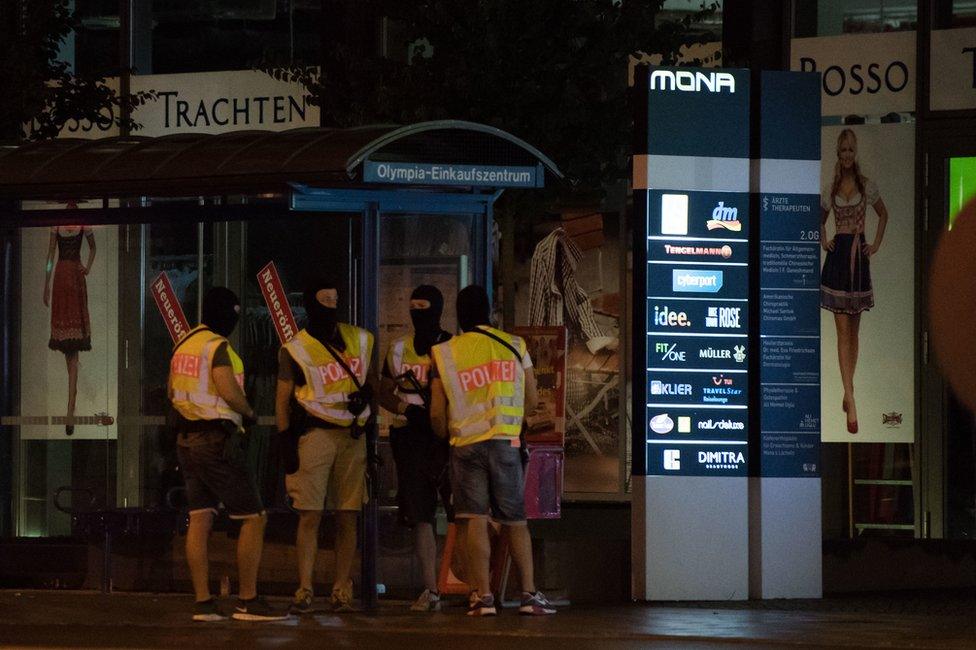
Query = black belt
x=318 y=423
x=199 y=426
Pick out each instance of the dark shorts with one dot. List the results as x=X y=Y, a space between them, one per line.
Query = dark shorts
x=215 y=473
x=422 y=476
x=488 y=478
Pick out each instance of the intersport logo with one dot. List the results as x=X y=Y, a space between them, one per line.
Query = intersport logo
x=688 y=81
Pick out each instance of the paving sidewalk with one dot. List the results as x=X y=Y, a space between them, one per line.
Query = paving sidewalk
x=87 y=619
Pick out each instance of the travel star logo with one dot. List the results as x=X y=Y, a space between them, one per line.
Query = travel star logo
x=720 y=391
x=724 y=217
x=704 y=251
x=721 y=459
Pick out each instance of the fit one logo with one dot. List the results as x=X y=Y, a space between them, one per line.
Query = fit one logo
x=487 y=373
x=669 y=352
x=723 y=317
x=662 y=388
x=332 y=372
x=724 y=217
x=713 y=251
x=721 y=459
x=672 y=460
x=688 y=81
x=661 y=424
x=664 y=317
x=695 y=281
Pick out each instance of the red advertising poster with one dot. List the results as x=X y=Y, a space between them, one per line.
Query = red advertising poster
x=277 y=301
x=547 y=348
x=169 y=307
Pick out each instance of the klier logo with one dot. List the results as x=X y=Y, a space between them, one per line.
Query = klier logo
x=724 y=217
x=688 y=81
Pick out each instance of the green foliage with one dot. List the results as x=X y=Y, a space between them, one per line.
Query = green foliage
x=39 y=90
x=553 y=72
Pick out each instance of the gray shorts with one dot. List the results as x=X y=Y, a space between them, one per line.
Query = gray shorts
x=487 y=478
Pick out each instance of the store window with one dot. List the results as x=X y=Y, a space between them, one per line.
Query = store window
x=834 y=17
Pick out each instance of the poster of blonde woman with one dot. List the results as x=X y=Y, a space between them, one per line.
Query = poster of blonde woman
x=867 y=285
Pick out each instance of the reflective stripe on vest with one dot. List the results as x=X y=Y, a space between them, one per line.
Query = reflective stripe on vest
x=402 y=357
x=485 y=387
x=192 y=392
x=325 y=394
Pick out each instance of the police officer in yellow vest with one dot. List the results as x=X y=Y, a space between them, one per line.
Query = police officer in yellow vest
x=325 y=368
x=482 y=387
x=420 y=457
x=206 y=391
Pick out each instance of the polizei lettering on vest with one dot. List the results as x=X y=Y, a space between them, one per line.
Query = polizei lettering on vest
x=487 y=373
x=332 y=372
x=688 y=81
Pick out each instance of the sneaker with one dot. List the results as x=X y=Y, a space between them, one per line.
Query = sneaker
x=535 y=604
x=429 y=601
x=257 y=609
x=341 y=600
x=208 y=612
x=482 y=605
x=302 y=602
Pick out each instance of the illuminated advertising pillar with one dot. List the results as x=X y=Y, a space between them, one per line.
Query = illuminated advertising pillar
x=691 y=187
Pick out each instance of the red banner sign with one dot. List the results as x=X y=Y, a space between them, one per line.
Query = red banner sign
x=277 y=301
x=169 y=307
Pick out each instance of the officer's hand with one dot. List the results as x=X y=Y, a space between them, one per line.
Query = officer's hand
x=418 y=417
x=251 y=419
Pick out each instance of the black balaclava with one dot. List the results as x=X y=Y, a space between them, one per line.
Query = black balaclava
x=322 y=320
x=221 y=310
x=473 y=307
x=426 y=322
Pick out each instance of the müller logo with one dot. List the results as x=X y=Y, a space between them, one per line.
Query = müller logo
x=688 y=81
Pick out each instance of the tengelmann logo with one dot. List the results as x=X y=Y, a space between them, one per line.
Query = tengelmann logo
x=714 y=251
x=696 y=281
x=688 y=81
x=724 y=217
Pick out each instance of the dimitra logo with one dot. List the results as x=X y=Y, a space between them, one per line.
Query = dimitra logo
x=665 y=317
x=721 y=459
x=723 y=217
x=487 y=373
x=738 y=353
x=721 y=425
x=661 y=388
x=696 y=281
x=688 y=81
x=672 y=459
x=332 y=372
x=724 y=251
x=662 y=424
x=669 y=352
x=723 y=317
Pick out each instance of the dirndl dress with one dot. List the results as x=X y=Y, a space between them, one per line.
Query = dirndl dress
x=845 y=280
x=70 y=323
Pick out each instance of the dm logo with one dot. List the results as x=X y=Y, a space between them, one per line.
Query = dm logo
x=696 y=281
x=725 y=217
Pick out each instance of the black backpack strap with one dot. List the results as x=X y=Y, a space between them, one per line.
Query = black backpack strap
x=500 y=340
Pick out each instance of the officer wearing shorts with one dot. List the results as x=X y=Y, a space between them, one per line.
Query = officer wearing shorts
x=316 y=370
x=205 y=389
x=482 y=387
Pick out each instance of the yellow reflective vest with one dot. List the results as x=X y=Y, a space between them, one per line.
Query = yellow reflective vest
x=325 y=394
x=485 y=385
x=191 y=386
x=400 y=358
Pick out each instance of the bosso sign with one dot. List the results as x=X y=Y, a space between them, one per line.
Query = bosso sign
x=867 y=74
